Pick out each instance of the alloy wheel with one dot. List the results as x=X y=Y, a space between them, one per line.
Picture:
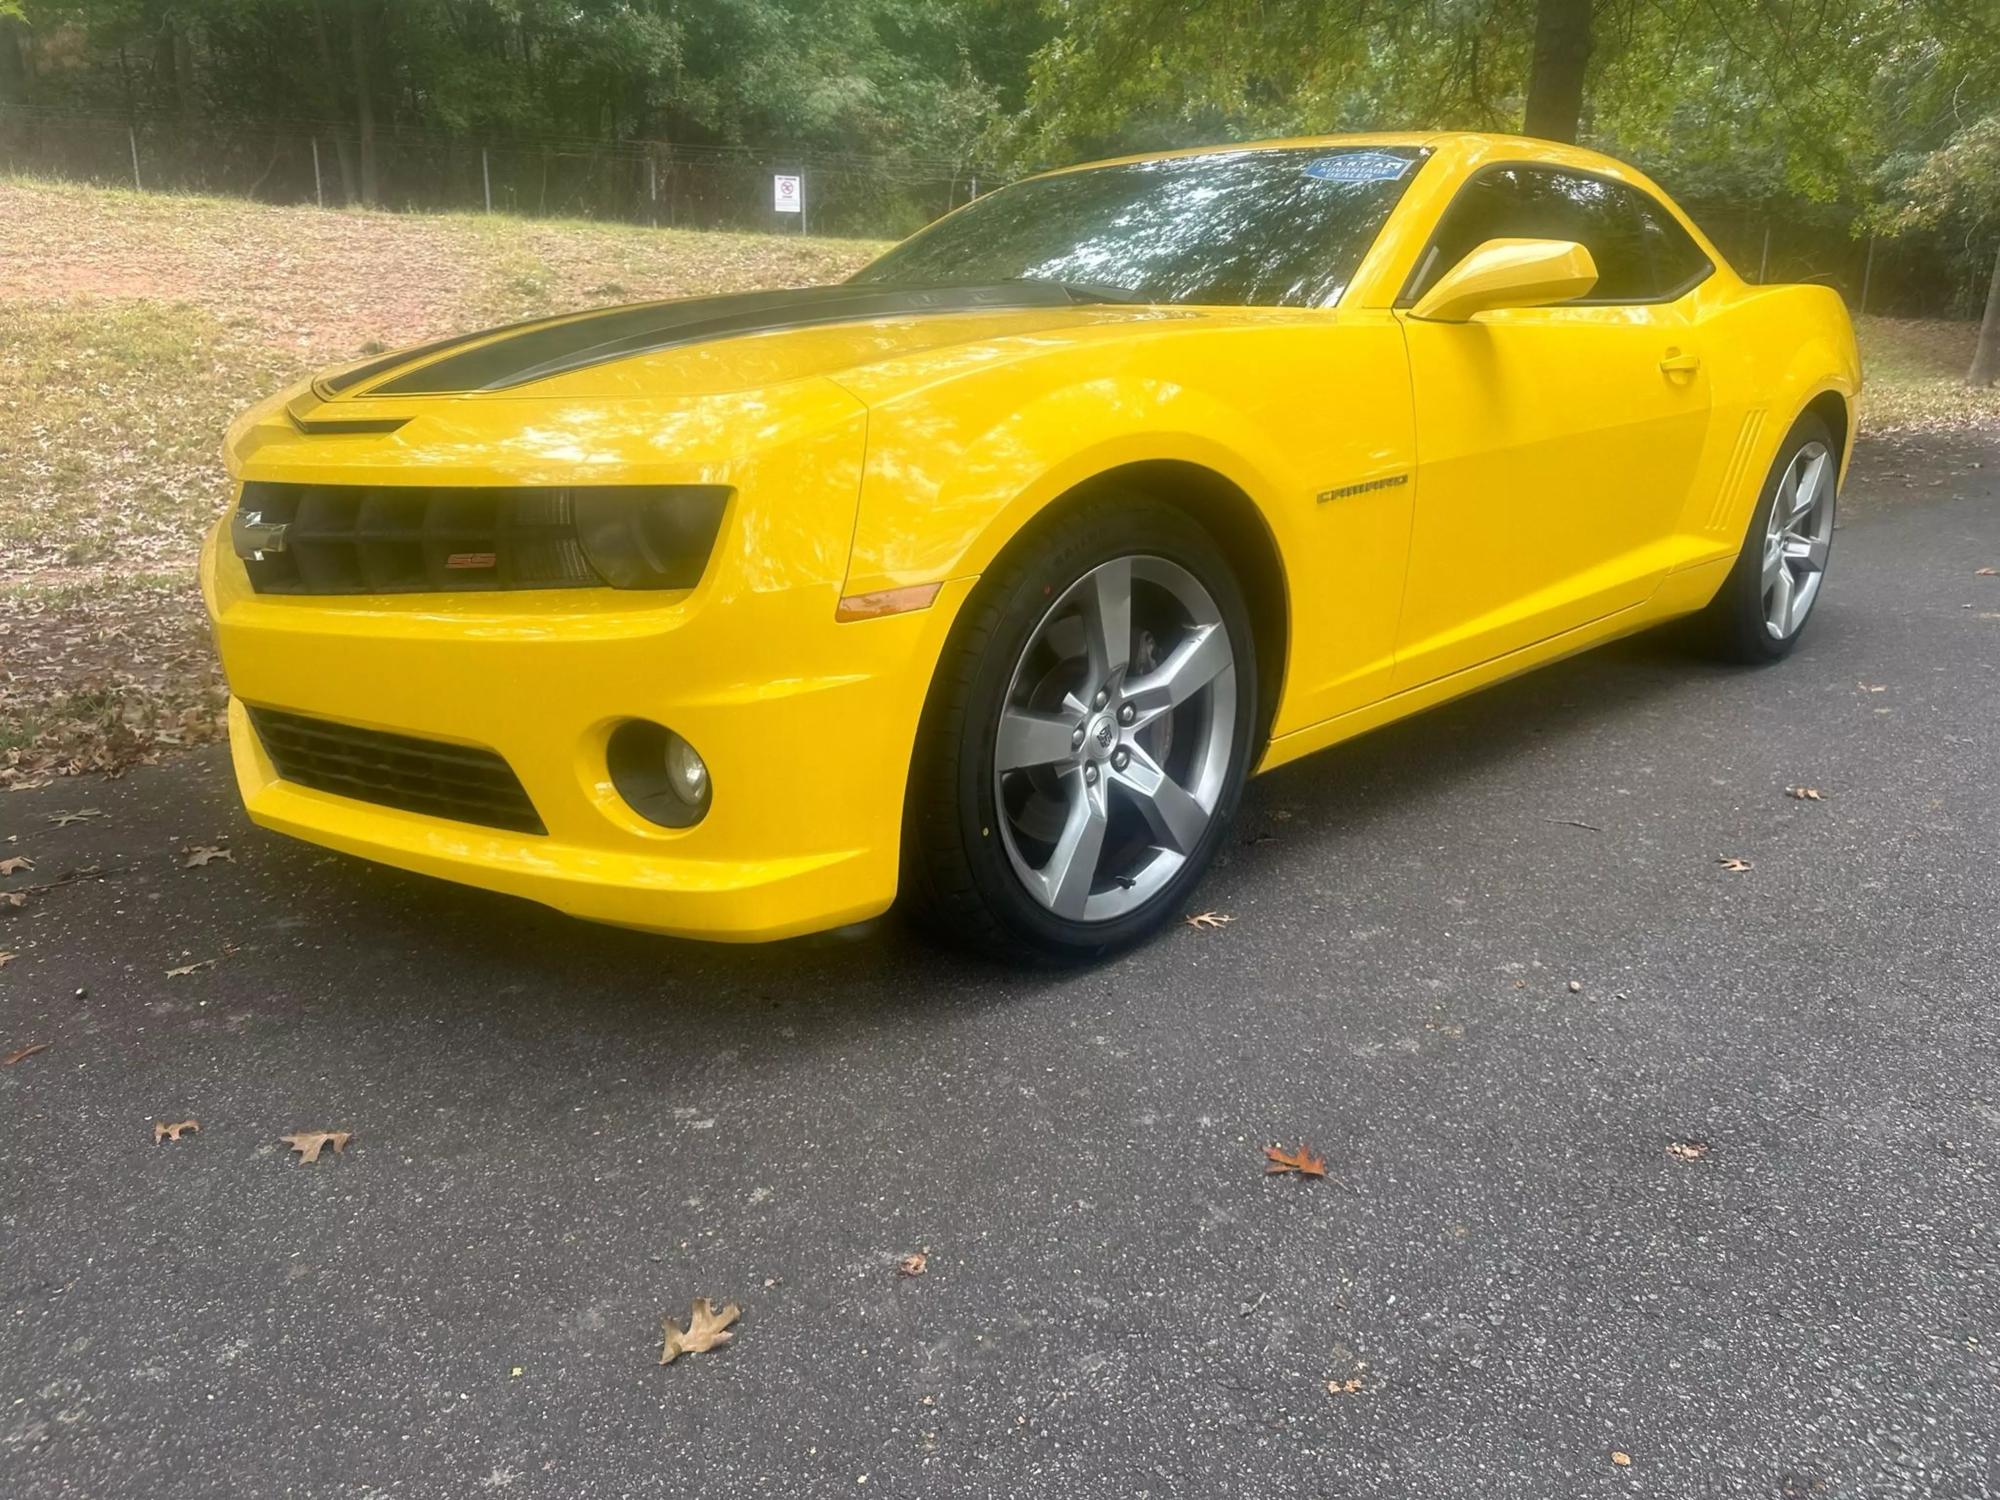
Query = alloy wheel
x=1114 y=744
x=1797 y=537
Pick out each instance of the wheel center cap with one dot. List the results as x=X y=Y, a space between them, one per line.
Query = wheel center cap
x=1100 y=738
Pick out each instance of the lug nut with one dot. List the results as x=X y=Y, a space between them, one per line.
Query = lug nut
x=1127 y=713
x=1076 y=739
x=1090 y=774
x=1120 y=761
x=1102 y=698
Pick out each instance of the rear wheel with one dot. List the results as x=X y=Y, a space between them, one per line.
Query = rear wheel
x=1763 y=606
x=1087 y=737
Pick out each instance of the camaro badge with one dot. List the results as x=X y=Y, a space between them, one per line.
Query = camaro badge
x=251 y=536
x=1388 y=483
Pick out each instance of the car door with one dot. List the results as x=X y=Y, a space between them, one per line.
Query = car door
x=1556 y=445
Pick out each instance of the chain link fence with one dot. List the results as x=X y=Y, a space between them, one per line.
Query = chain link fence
x=640 y=182
x=726 y=187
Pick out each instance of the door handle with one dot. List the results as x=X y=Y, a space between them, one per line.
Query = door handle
x=1677 y=363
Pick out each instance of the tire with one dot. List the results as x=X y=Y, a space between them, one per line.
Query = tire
x=994 y=856
x=1741 y=622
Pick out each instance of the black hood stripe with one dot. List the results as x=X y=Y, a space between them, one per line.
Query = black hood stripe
x=540 y=350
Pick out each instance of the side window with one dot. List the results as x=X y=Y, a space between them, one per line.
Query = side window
x=1642 y=253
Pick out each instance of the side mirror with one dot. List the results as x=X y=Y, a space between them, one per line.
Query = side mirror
x=1509 y=273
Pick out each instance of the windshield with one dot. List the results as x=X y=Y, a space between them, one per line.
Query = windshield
x=1266 y=228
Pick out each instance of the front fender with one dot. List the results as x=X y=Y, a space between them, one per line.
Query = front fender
x=956 y=475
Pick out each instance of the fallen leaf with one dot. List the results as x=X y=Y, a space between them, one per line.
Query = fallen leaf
x=13 y=1057
x=205 y=854
x=1871 y=687
x=517 y=1372
x=1688 y=1150
x=1301 y=1161
x=1986 y=572
x=706 y=1329
x=13 y=898
x=81 y=815
x=1734 y=865
x=1623 y=1460
x=913 y=1265
x=1348 y=1387
x=18 y=862
x=1209 y=921
x=173 y=1132
x=7 y=958
x=206 y=963
x=1576 y=987
x=1804 y=794
x=308 y=1142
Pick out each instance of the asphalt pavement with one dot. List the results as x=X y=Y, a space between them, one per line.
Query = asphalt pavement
x=1645 y=1175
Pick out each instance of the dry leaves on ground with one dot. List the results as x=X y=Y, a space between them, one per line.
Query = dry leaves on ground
x=195 y=968
x=1687 y=1150
x=17 y=863
x=1623 y=1460
x=707 y=1329
x=13 y=1057
x=13 y=898
x=308 y=1142
x=1805 y=794
x=913 y=1265
x=81 y=815
x=1351 y=1386
x=1209 y=921
x=1986 y=572
x=163 y=1132
x=205 y=854
x=1734 y=865
x=1301 y=1161
x=7 y=958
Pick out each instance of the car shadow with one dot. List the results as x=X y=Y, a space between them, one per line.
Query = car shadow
x=889 y=964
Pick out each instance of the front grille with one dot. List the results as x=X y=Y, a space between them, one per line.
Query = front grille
x=460 y=782
x=375 y=539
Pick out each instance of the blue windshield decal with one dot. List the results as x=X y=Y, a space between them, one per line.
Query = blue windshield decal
x=1358 y=166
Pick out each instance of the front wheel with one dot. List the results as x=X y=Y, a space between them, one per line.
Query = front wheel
x=1087 y=738
x=1761 y=609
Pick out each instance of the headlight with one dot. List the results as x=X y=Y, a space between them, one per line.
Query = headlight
x=646 y=537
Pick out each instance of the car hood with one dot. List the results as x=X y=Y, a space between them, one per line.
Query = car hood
x=712 y=345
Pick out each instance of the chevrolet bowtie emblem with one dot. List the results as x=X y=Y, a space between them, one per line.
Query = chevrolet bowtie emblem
x=252 y=536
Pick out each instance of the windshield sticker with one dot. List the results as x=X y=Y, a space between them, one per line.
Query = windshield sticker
x=1358 y=166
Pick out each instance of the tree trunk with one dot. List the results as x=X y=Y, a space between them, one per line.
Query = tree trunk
x=13 y=61
x=1986 y=360
x=1555 y=78
x=362 y=20
x=329 y=80
x=181 y=54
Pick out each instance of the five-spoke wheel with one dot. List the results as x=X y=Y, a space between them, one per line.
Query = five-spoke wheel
x=1087 y=737
x=1115 y=742
x=1798 y=534
x=1762 y=607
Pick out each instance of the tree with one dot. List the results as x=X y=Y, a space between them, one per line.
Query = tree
x=1957 y=186
x=1554 y=107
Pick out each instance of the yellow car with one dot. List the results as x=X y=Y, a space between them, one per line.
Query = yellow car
x=986 y=577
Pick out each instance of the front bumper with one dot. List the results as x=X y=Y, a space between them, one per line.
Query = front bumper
x=806 y=725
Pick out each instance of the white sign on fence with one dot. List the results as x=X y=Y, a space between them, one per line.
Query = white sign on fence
x=788 y=193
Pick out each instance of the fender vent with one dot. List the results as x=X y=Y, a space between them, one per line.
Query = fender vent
x=1731 y=487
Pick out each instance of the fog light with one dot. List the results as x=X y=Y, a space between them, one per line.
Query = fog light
x=686 y=772
x=660 y=775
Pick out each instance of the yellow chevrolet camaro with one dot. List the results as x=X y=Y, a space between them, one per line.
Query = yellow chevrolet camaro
x=986 y=577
